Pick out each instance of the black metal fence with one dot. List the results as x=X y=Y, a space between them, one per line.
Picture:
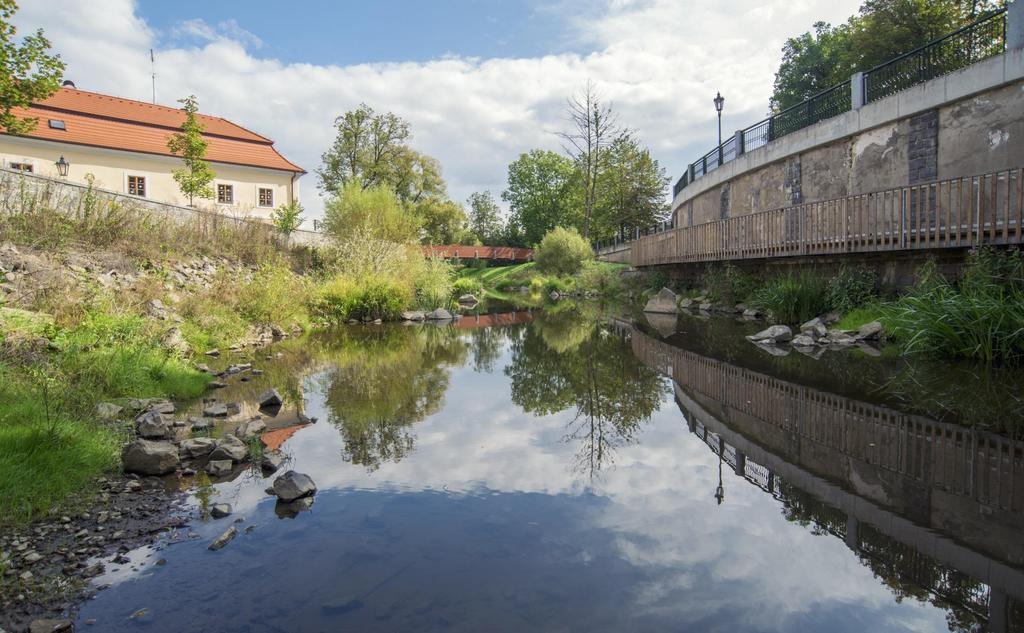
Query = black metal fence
x=981 y=39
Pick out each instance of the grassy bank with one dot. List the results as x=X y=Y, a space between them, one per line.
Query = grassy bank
x=504 y=281
x=978 y=316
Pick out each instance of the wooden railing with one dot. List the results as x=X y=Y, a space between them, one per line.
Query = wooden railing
x=983 y=466
x=960 y=212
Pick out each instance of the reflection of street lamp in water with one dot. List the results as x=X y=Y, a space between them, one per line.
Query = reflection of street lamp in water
x=720 y=491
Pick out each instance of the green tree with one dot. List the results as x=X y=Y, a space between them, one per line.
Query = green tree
x=631 y=192
x=287 y=217
x=195 y=177
x=356 y=213
x=485 y=218
x=541 y=195
x=563 y=252
x=443 y=221
x=882 y=29
x=28 y=72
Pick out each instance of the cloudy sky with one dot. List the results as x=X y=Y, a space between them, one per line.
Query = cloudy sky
x=479 y=80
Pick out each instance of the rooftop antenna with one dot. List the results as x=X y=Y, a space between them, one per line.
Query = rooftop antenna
x=152 y=68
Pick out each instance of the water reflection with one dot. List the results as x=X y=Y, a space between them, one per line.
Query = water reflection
x=572 y=359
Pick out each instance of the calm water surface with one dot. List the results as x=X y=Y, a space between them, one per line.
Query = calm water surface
x=563 y=471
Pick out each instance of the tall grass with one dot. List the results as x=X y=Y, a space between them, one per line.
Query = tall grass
x=793 y=298
x=981 y=317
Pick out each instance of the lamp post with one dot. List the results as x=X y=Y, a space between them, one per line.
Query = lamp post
x=719 y=102
x=62 y=166
x=720 y=490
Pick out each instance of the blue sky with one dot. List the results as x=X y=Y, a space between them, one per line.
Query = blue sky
x=350 y=33
x=479 y=82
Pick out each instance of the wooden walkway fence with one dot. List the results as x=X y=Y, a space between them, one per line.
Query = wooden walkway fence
x=960 y=212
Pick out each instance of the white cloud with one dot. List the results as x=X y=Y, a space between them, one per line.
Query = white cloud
x=660 y=61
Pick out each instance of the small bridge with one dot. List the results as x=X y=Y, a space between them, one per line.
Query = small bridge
x=503 y=254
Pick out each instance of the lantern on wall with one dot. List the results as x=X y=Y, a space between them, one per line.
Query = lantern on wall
x=62 y=166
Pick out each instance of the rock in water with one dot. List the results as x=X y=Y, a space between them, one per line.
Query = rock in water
x=218 y=467
x=439 y=315
x=51 y=626
x=230 y=447
x=413 y=315
x=468 y=299
x=774 y=334
x=196 y=447
x=223 y=539
x=815 y=328
x=216 y=410
x=271 y=462
x=270 y=398
x=292 y=485
x=147 y=457
x=250 y=429
x=803 y=340
x=664 y=302
x=869 y=331
x=220 y=510
x=153 y=426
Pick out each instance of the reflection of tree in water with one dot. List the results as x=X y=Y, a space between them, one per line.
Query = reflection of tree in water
x=384 y=380
x=568 y=359
x=485 y=344
x=905 y=571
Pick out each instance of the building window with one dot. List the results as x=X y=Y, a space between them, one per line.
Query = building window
x=226 y=194
x=25 y=167
x=137 y=186
x=57 y=124
x=266 y=197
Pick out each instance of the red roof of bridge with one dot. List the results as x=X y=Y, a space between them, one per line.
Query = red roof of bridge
x=508 y=253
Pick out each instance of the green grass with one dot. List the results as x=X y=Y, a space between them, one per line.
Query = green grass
x=598 y=276
x=857 y=317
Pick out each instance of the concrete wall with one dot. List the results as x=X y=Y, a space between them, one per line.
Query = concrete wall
x=111 y=169
x=965 y=123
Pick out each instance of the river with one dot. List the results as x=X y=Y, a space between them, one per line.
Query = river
x=569 y=470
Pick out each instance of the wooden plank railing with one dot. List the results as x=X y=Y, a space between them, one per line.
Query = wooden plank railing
x=960 y=212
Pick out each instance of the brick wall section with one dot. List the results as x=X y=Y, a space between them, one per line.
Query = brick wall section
x=923 y=147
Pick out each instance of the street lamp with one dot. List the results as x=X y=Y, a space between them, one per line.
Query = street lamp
x=720 y=490
x=719 y=102
x=62 y=167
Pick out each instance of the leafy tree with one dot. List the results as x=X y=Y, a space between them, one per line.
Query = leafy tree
x=882 y=29
x=443 y=221
x=195 y=177
x=631 y=191
x=375 y=213
x=563 y=252
x=28 y=72
x=287 y=217
x=541 y=195
x=485 y=218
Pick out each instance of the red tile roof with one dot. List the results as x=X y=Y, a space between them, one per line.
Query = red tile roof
x=100 y=120
x=509 y=253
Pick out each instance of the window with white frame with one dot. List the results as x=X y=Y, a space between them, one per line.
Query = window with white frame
x=137 y=186
x=226 y=194
x=265 y=196
x=25 y=167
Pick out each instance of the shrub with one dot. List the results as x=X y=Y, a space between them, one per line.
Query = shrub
x=603 y=278
x=274 y=295
x=563 y=252
x=852 y=288
x=341 y=299
x=793 y=299
x=287 y=217
x=561 y=285
x=434 y=284
x=536 y=284
x=466 y=285
x=982 y=318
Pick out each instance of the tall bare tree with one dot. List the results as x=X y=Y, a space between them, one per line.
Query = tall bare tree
x=593 y=126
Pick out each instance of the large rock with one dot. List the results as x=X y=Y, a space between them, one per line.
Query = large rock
x=292 y=485
x=468 y=299
x=839 y=338
x=108 y=410
x=51 y=626
x=152 y=425
x=175 y=341
x=664 y=302
x=815 y=328
x=220 y=510
x=803 y=340
x=230 y=447
x=219 y=467
x=197 y=447
x=271 y=462
x=216 y=410
x=686 y=302
x=270 y=398
x=413 y=315
x=869 y=331
x=223 y=539
x=147 y=457
x=772 y=335
x=250 y=429
x=439 y=315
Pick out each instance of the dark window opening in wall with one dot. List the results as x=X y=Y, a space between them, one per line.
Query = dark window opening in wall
x=266 y=197
x=137 y=186
x=226 y=194
x=25 y=167
x=689 y=213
